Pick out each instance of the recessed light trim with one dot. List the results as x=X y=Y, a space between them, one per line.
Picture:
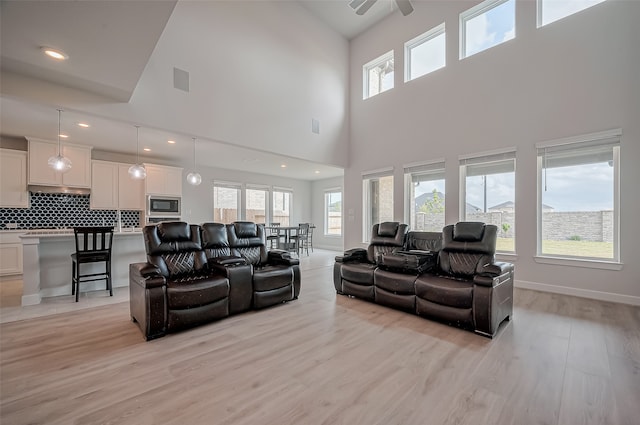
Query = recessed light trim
x=83 y=125
x=64 y=136
x=147 y=149
x=283 y=166
x=171 y=142
x=56 y=54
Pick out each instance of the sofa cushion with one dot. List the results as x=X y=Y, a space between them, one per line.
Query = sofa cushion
x=271 y=277
x=359 y=273
x=468 y=231
x=388 y=228
x=245 y=229
x=394 y=282
x=196 y=291
x=445 y=291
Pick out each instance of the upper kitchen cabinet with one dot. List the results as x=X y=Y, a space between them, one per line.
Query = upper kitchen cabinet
x=41 y=174
x=13 y=179
x=163 y=180
x=113 y=189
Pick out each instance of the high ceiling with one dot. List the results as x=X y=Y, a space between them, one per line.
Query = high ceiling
x=111 y=43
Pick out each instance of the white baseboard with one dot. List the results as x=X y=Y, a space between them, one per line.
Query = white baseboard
x=31 y=299
x=84 y=287
x=577 y=292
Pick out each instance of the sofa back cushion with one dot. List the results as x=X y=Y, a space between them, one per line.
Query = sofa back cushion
x=385 y=237
x=214 y=240
x=424 y=241
x=174 y=248
x=248 y=240
x=467 y=247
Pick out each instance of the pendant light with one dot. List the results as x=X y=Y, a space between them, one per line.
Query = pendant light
x=137 y=171
x=59 y=162
x=194 y=178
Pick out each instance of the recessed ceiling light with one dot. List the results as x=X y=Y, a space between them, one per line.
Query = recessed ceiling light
x=317 y=172
x=171 y=142
x=83 y=125
x=64 y=136
x=55 y=53
x=283 y=166
x=147 y=149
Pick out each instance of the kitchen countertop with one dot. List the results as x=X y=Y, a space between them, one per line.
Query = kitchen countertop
x=39 y=233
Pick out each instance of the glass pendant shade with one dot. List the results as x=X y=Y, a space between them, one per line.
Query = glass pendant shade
x=137 y=171
x=194 y=178
x=58 y=162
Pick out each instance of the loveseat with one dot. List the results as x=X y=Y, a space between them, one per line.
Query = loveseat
x=450 y=276
x=195 y=274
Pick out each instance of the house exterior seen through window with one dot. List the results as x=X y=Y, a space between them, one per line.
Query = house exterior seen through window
x=378 y=75
x=281 y=210
x=424 y=196
x=333 y=213
x=378 y=201
x=226 y=203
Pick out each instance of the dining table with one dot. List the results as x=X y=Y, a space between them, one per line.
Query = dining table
x=285 y=237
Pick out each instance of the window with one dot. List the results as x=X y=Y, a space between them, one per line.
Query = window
x=378 y=199
x=488 y=24
x=226 y=202
x=425 y=53
x=378 y=75
x=256 y=198
x=424 y=196
x=578 y=205
x=488 y=191
x=281 y=212
x=333 y=212
x=552 y=10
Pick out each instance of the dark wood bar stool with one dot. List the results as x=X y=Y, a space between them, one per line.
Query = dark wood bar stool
x=93 y=245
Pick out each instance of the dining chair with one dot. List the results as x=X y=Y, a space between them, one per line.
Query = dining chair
x=311 y=227
x=93 y=245
x=302 y=238
x=273 y=237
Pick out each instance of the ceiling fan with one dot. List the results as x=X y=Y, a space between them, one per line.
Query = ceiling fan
x=361 y=6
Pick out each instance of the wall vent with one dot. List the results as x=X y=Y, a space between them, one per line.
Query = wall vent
x=181 y=79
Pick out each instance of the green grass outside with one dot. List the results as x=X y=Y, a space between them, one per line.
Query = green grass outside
x=572 y=248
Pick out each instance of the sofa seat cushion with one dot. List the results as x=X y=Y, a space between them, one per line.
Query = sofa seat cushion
x=462 y=317
x=268 y=278
x=197 y=291
x=358 y=273
x=395 y=282
x=445 y=291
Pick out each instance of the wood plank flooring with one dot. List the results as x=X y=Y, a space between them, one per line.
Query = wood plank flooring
x=327 y=360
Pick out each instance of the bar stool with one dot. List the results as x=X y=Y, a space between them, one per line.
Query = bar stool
x=93 y=245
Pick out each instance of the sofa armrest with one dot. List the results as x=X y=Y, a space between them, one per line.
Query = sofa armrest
x=227 y=260
x=146 y=275
x=281 y=257
x=353 y=255
x=493 y=274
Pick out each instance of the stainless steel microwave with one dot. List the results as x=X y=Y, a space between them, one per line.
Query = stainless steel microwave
x=163 y=206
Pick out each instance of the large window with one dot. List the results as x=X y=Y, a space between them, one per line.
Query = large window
x=226 y=202
x=256 y=201
x=377 y=75
x=281 y=206
x=425 y=53
x=378 y=200
x=488 y=193
x=333 y=212
x=488 y=24
x=578 y=197
x=424 y=196
x=552 y=10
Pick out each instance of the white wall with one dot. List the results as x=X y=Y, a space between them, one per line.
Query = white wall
x=318 y=189
x=576 y=76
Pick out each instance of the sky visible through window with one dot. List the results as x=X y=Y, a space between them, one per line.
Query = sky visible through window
x=428 y=56
x=491 y=28
x=552 y=10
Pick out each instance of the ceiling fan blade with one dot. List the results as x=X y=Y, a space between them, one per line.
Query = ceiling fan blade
x=366 y=6
x=404 y=6
x=356 y=3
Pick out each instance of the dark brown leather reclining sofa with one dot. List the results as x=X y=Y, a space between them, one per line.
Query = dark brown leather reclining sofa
x=450 y=276
x=196 y=274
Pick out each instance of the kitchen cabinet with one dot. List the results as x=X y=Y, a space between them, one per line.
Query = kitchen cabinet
x=163 y=180
x=113 y=189
x=41 y=174
x=13 y=179
x=10 y=252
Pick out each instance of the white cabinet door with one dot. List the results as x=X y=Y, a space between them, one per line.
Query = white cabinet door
x=41 y=174
x=130 y=191
x=13 y=179
x=163 y=180
x=10 y=253
x=104 y=190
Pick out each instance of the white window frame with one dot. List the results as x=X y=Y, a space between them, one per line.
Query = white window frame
x=434 y=167
x=369 y=66
x=267 y=207
x=367 y=177
x=418 y=41
x=609 y=137
x=486 y=158
x=229 y=185
x=327 y=194
x=540 y=12
x=475 y=11
x=275 y=190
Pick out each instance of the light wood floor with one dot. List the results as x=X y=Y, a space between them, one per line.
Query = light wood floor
x=327 y=360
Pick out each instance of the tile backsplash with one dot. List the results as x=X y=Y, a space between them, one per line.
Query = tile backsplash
x=57 y=210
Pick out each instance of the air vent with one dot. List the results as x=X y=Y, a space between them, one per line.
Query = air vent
x=315 y=126
x=180 y=79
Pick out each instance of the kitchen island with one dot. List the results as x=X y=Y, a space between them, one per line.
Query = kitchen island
x=47 y=262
